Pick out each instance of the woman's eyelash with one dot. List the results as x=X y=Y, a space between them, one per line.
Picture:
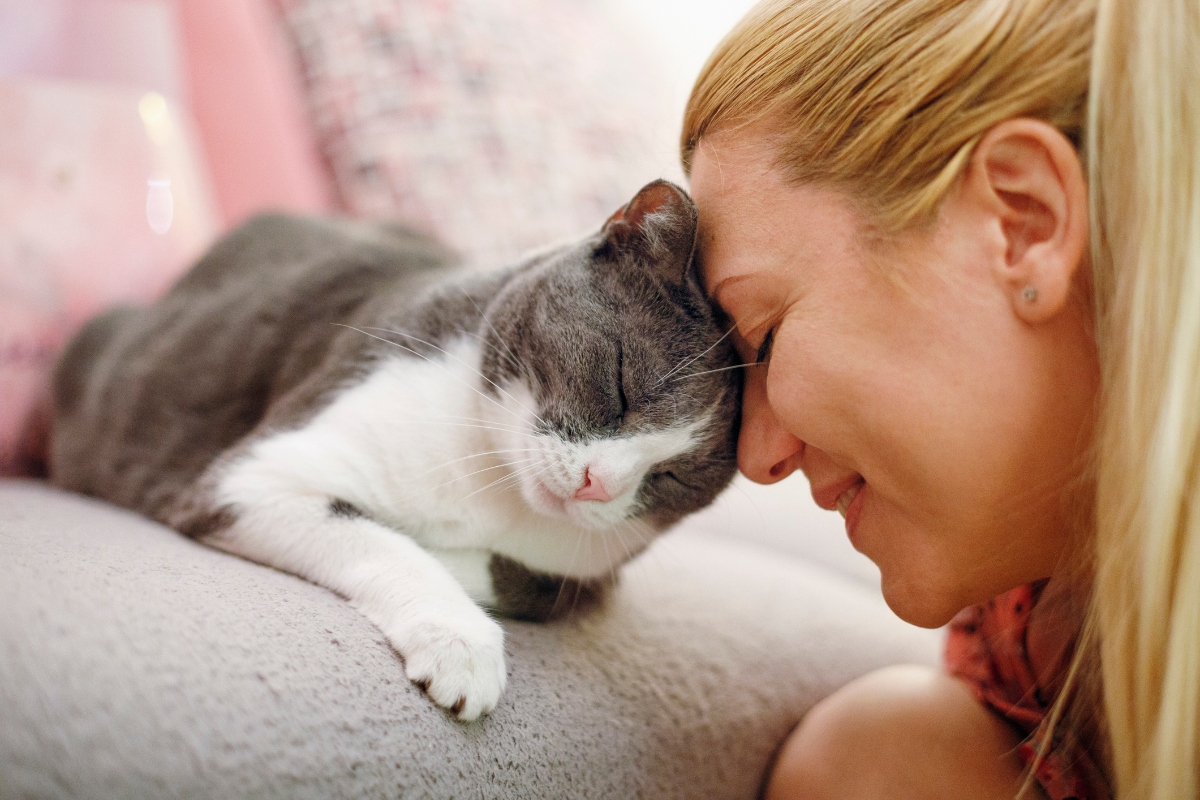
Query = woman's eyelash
x=764 y=349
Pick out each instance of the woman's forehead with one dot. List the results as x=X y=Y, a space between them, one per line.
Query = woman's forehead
x=733 y=168
x=729 y=188
x=754 y=223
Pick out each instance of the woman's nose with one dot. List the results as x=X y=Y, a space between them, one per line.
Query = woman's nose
x=767 y=452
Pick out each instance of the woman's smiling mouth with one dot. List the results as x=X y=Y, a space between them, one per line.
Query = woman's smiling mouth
x=847 y=497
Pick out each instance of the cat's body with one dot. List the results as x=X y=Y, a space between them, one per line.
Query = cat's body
x=322 y=398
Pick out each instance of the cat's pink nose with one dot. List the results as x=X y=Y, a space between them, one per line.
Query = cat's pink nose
x=592 y=488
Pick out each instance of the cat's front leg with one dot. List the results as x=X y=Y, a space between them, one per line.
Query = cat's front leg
x=451 y=647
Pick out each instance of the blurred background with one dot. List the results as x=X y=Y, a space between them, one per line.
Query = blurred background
x=137 y=131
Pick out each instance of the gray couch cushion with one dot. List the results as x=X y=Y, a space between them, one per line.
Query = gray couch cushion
x=135 y=663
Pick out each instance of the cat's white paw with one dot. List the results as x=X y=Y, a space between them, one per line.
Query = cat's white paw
x=457 y=657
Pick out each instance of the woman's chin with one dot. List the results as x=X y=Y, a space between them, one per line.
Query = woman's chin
x=917 y=603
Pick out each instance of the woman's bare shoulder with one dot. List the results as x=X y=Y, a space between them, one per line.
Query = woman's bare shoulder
x=898 y=733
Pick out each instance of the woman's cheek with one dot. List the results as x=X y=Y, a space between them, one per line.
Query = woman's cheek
x=804 y=401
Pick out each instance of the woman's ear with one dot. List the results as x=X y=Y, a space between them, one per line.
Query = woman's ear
x=1028 y=175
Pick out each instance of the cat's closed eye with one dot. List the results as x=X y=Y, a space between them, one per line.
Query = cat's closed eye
x=621 y=397
x=670 y=476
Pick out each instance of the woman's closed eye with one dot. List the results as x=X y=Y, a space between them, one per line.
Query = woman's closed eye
x=764 y=349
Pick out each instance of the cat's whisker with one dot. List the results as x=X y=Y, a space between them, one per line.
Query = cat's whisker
x=575 y=599
x=617 y=532
x=515 y=484
x=488 y=380
x=722 y=369
x=696 y=358
x=645 y=539
x=761 y=517
x=570 y=570
x=492 y=426
x=442 y=486
x=468 y=421
x=514 y=480
x=642 y=536
x=464 y=477
x=465 y=425
x=588 y=557
x=515 y=473
x=420 y=355
x=431 y=470
x=516 y=362
x=493 y=423
x=612 y=572
x=515 y=365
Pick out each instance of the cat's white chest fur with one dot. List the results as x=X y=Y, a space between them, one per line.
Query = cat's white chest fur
x=412 y=446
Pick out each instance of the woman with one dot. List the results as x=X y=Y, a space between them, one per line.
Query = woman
x=962 y=239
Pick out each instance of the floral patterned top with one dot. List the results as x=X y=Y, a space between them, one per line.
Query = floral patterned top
x=987 y=649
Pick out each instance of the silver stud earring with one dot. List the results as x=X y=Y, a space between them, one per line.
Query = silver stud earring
x=1030 y=294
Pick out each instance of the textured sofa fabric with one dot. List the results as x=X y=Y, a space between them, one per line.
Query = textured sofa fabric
x=137 y=664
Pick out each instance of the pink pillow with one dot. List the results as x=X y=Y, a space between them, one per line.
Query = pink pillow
x=103 y=203
x=499 y=126
x=249 y=109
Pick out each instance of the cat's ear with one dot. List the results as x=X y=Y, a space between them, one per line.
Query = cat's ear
x=659 y=227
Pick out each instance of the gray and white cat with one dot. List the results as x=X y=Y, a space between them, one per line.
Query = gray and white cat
x=323 y=398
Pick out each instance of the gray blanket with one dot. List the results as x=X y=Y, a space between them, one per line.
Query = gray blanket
x=135 y=663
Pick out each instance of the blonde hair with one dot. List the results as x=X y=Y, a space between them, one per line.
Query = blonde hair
x=1144 y=132
x=886 y=99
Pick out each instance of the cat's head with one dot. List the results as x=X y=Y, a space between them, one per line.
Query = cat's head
x=617 y=378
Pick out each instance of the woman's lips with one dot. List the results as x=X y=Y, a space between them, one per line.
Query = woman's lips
x=827 y=495
x=846 y=496
x=849 y=505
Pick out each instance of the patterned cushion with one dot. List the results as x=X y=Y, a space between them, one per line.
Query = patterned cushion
x=498 y=126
